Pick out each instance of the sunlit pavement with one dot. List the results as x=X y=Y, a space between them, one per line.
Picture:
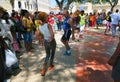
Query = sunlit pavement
x=87 y=63
x=93 y=53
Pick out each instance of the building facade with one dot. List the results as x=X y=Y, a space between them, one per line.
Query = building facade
x=44 y=5
x=31 y=5
x=88 y=7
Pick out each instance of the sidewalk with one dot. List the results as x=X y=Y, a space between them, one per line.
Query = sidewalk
x=92 y=55
x=87 y=63
x=65 y=66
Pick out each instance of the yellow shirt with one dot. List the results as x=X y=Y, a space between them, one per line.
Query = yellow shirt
x=37 y=24
x=29 y=23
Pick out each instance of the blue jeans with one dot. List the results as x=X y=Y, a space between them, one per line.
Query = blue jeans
x=113 y=29
x=27 y=37
x=50 y=48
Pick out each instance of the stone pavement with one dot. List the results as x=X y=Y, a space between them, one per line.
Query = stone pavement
x=87 y=63
x=93 y=53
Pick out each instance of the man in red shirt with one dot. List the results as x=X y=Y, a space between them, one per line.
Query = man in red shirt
x=60 y=20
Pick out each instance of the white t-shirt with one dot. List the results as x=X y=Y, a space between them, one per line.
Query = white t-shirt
x=115 y=18
x=45 y=31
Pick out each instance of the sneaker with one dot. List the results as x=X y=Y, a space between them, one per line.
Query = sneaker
x=67 y=54
x=51 y=67
x=43 y=71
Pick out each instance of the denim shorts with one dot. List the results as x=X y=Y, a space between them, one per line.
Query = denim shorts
x=116 y=70
x=27 y=37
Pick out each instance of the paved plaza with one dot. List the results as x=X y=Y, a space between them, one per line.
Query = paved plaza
x=87 y=63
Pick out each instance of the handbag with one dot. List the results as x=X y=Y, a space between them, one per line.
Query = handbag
x=11 y=58
x=105 y=22
x=15 y=46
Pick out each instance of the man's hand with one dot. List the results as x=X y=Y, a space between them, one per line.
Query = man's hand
x=112 y=61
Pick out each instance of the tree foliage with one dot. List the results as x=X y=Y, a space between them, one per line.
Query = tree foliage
x=60 y=4
x=112 y=3
x=65 y=3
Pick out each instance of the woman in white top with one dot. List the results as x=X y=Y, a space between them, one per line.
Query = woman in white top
x=49 y=41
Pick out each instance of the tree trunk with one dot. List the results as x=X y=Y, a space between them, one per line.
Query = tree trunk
x=68 y=4
x=113 y=4
x=67 y=7
x=12 y=3
x=112 y=8
x=60 y=4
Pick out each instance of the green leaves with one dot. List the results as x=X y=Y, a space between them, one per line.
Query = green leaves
x=66 y=3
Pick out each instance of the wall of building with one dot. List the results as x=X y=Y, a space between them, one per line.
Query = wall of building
x=6 y=4
x=43 y=5
x=88 y=7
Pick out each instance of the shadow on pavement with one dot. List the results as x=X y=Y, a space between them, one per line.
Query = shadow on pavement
x=92 y=57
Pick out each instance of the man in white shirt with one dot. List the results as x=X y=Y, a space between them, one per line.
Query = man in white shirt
x=115 y=18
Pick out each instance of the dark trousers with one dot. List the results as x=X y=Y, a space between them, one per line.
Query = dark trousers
x=59 y=25
x=50 y=48
x=2 y=69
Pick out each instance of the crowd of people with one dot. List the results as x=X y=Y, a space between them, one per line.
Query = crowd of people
x=23 y=25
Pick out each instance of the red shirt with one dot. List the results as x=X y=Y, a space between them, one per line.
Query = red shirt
x=59 y=17
x=18 y=17
x=50 y=19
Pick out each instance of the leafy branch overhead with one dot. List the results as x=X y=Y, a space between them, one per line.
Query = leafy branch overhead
x=65 y=3
x=61 y=3
x=112 y=3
